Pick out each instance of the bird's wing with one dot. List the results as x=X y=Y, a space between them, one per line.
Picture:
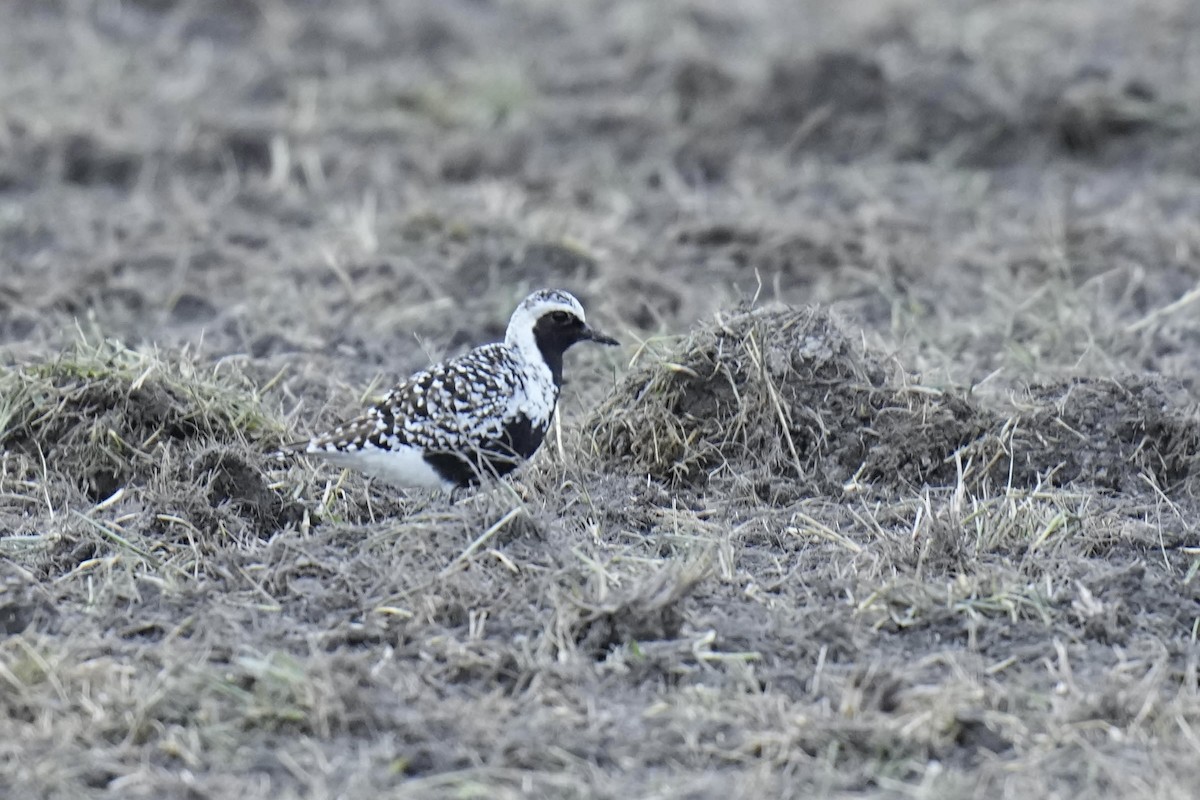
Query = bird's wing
x=454 y=405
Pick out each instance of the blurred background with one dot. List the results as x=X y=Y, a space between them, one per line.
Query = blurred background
x=985 y=186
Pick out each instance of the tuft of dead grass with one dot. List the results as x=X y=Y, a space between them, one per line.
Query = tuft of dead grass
x=780 y=394
x=652 y=609
x=103 y=426
x=783 y=400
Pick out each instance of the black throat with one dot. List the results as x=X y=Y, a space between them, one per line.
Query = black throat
x=553 y=342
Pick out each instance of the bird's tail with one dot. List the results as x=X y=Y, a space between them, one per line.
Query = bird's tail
x=289 y=450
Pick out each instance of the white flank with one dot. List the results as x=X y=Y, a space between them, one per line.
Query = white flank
x=403 y=466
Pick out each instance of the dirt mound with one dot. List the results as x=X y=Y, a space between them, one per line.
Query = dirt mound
x=784 y=398
x=99 y=419
x=782 y=394
x=1132 y=435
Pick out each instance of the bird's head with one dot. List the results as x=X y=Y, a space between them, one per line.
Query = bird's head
x=547 y=323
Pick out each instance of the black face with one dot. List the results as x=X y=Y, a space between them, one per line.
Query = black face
x=556 y=331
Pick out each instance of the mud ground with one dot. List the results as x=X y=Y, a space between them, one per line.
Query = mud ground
x=892 y=491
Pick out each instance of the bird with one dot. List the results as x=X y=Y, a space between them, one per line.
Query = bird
x=476 y=416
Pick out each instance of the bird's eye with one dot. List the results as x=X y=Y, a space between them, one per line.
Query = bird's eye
x=560 y=317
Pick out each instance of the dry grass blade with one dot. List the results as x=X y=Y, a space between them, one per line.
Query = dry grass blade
x=816 y=528
x=482 y=539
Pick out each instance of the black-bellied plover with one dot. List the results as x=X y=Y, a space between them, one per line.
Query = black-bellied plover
x=478 y=415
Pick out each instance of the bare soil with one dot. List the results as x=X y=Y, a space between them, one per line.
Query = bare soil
x=893 y=490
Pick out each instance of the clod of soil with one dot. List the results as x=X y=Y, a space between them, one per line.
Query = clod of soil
x=651 y=611
x=1130 y=435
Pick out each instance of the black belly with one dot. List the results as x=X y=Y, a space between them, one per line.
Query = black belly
x=493 y=458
